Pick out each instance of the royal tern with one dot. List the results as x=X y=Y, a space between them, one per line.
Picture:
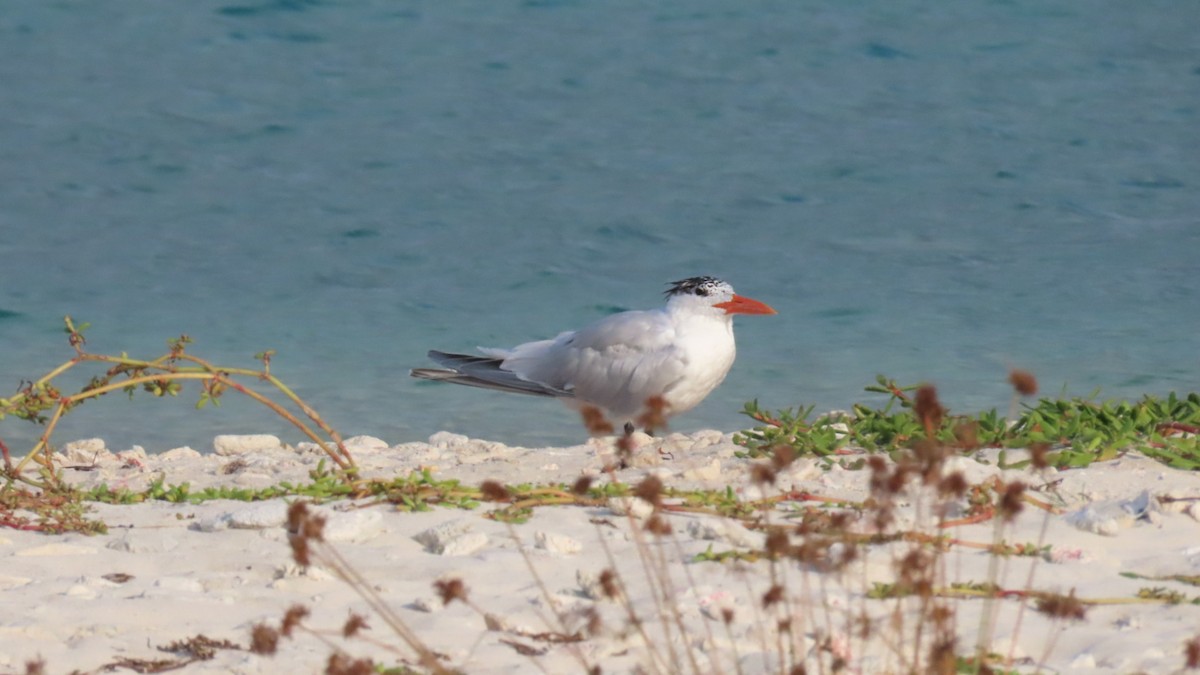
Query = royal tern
x=669 y=359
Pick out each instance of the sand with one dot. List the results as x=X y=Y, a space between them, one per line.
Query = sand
x=168 y=572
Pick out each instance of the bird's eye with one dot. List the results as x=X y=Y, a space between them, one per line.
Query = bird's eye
x=702 y=291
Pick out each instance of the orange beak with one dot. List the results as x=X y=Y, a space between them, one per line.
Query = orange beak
x=744 y=305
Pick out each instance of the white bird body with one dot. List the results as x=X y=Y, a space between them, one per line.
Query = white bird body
x=671 y=357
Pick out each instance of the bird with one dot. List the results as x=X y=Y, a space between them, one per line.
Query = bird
x=639 y=366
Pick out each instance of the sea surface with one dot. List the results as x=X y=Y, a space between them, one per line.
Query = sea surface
x=933 y=191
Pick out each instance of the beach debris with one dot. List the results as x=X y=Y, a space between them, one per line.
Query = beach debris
x=351 y=525
x=1111 y=516
x=177 y=454
x=452 y=538
x=725 y=530
x=85 y=452
x=631 y=506
x=553 y=542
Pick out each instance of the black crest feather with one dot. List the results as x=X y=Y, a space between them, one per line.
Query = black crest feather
x=701 y=286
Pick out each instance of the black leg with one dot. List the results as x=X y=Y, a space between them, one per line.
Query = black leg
x=628 y=428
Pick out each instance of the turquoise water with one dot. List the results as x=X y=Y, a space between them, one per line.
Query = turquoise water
x=932 y=191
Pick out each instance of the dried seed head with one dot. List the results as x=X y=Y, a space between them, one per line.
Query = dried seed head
x=1023 y=382
x=582 y=485
x=494 y=491
x=293 y=617
x=609 y=584
x=941 y=657
x=296 y=514
x=300 y=552
x=654 y=416
x=1011 y=501
x=1039 y=455
x=773 y=595
x=966 y=434
x=353 y=625
x=953 y=485
x=340 y=663
x=798 y=670
x=762 y=474
x=263 y=639
x=657 y=525
x=35 y=667
x=650 y=490
x=928 y=409
x=595 y=421
x=314 y=528
x=1061 y=606
x=1191 y=653
x=777 y=543
x=782 y=456
x=727 y=615
x=595 y=624
x=450 y=590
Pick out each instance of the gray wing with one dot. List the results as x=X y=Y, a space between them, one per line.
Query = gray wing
x=483 y=372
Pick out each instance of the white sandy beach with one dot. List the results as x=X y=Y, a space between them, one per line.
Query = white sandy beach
x=169 y=572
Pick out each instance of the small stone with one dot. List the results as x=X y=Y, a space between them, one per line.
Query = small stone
x=706 y=472
x=133 y=458
x=729 y=531
x=589 y=585
x=257 y=516
x=86 y=451
x=241 y=444
x=632 y=506
x=293 y=571
x=352 y=525
x=427 y=603
x=365 y=444
x=464 y=544
x=85 y=445
x=435 y=538
x=80 y=591
x=557 y=543
x=177 y=454
x=1193 y=510
x=444 y=439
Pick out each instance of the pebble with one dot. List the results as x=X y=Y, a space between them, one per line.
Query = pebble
x=241 y=444
x=80 y=591
x=1111 y=516
x=354 y=525
x=86 y=451
x=632 y=506
x=177 y=454
x=271 y=513
x=557 y=543
x=427 y=604
x=434 y=538
x=707 y=473
x=1193 y=510
x=364 y=444
x=463 y=544
x=729 y=531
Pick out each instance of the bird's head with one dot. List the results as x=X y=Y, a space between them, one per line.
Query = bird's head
x=712 y=294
